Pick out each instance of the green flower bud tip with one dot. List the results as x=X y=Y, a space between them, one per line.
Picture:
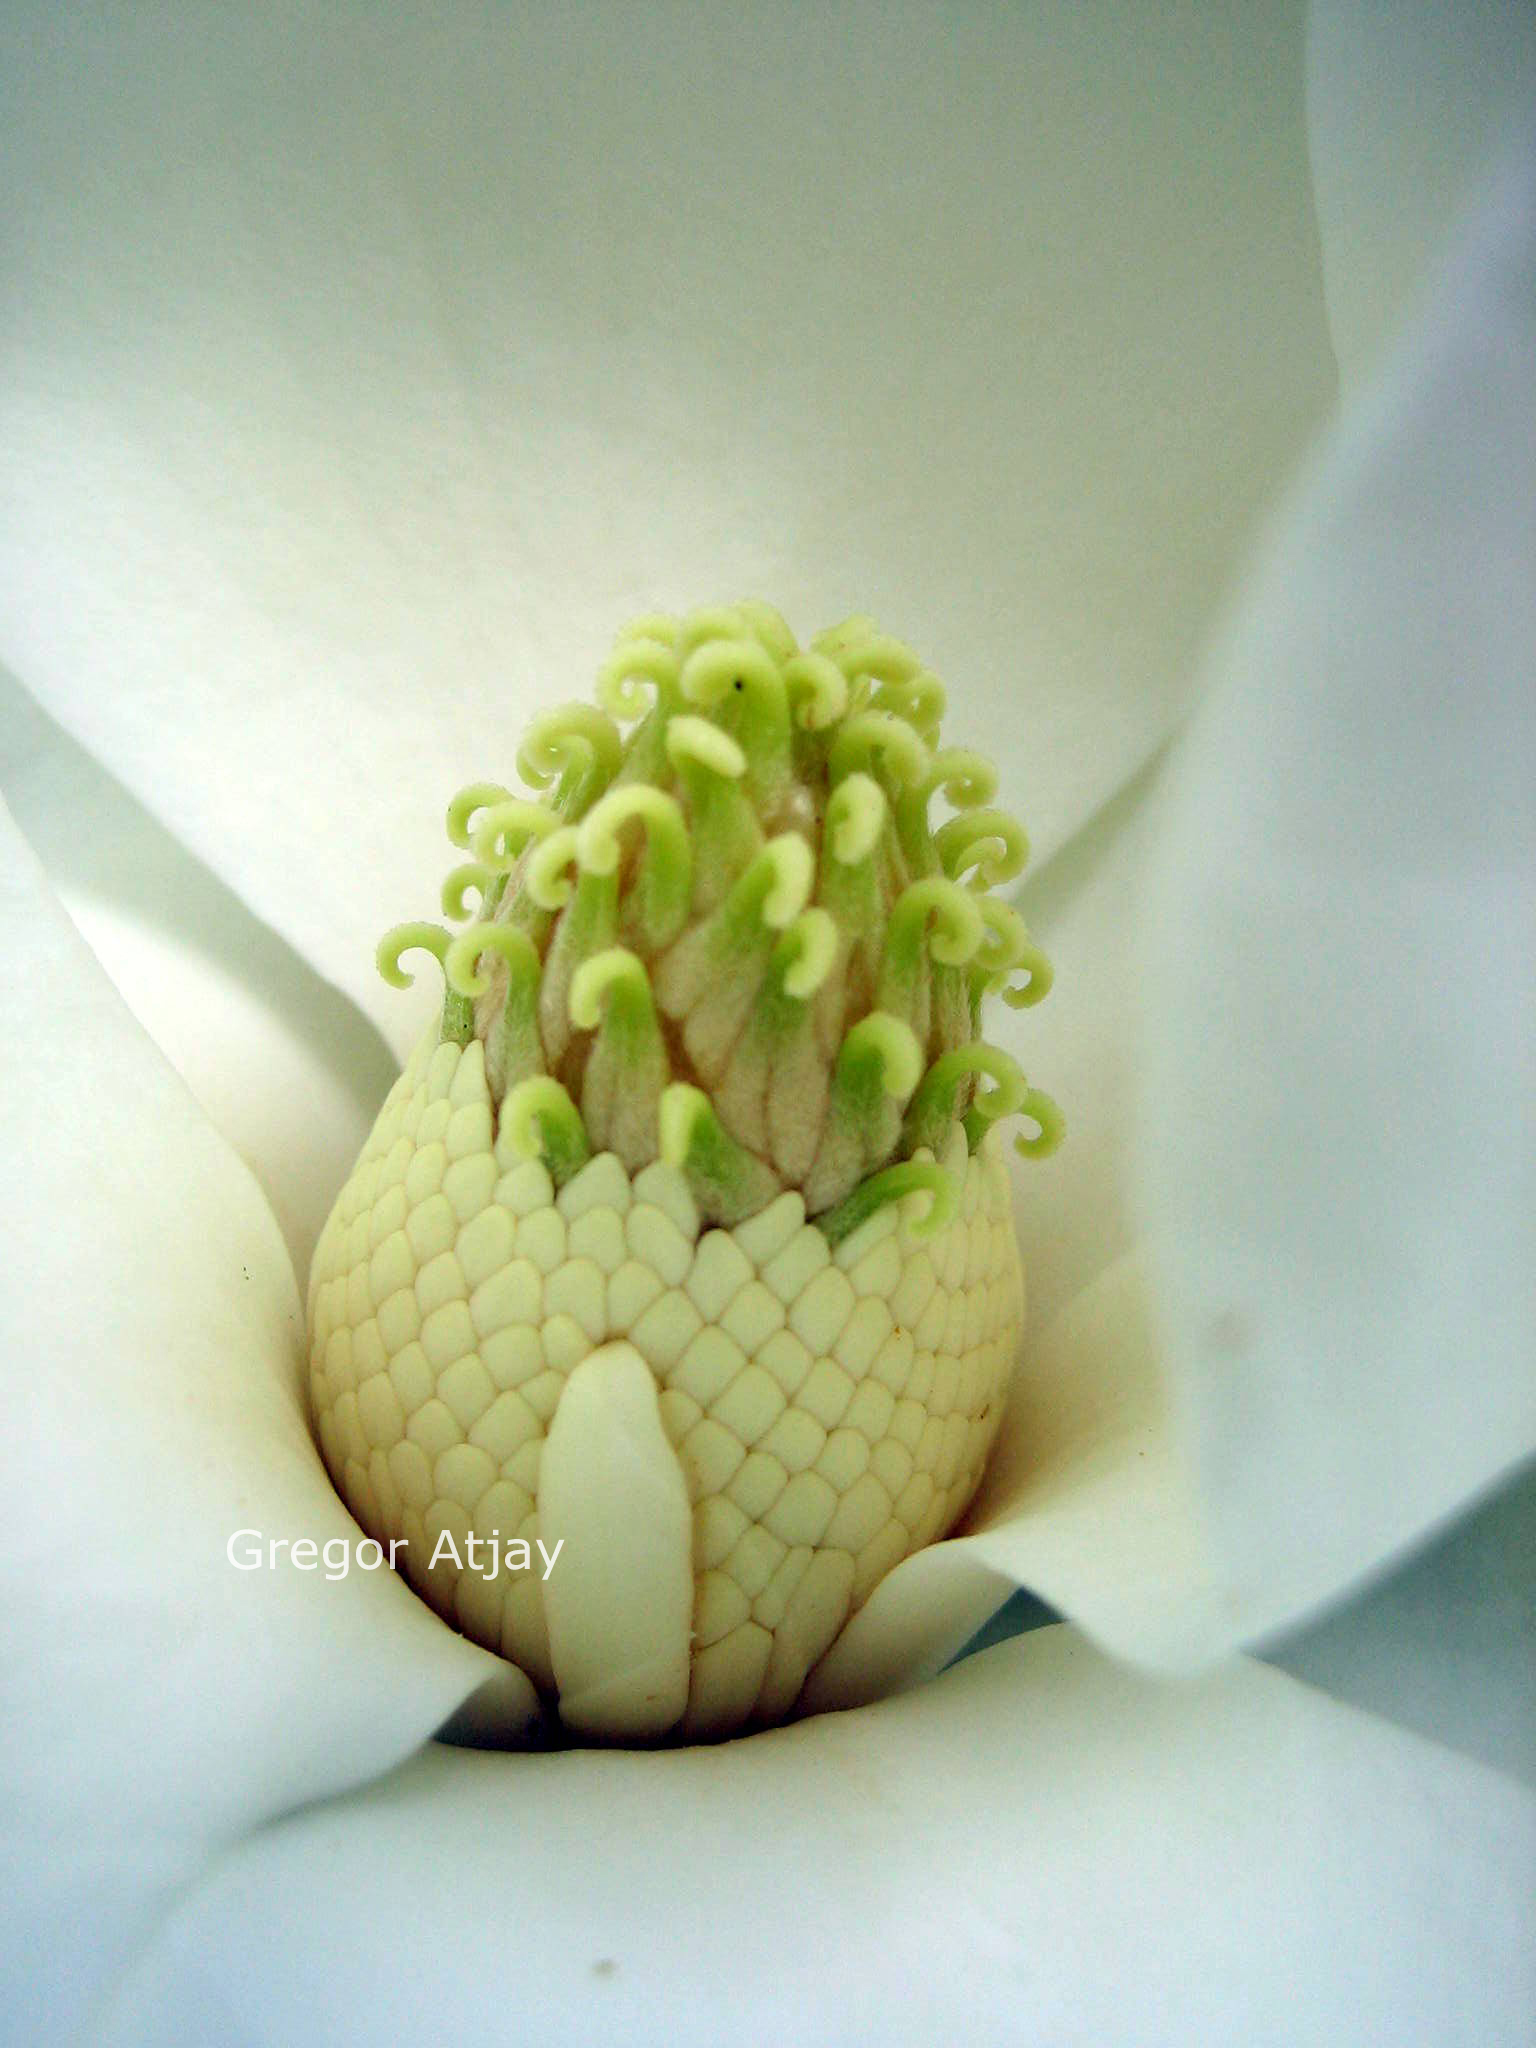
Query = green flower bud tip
x=725 y=932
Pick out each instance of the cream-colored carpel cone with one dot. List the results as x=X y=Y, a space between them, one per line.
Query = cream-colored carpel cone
x=675 y=1296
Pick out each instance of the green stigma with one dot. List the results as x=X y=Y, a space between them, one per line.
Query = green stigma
x=720 y=930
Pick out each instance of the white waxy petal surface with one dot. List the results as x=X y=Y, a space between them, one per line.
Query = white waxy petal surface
x=455 y=297
x=1038 y=1847
x=1339 y=1173
x=160 y=1702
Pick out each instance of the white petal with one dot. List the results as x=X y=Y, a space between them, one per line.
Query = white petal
x=285 y=1068
x=157 y=1701
x=1444 y=1645
x=365 y=371
x=1040 y=1846
x=1072 y=1211
x=1340 y=1172
x=1402 y=113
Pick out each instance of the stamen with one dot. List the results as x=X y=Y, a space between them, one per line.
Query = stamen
x=696 y=741
x=769 y=626
x=546 y=875
x=878 y=1065
x=514 y=948
x=472 y=874
x=475 y=796
x=931 y=1111
x=666 y=876
x=615 y=972
x=804 y=957
x=957 y=928
x=742 y=672
x=873 y=735
x=512 y=1047
x=728 y=1182
x=710 y=622
x=860 y=649
x=1039 y=1107
x=637 y=659
x=409 y=938
x=833 y=639
x=919 y=699
x=991 y=843
x=457 y=1025
x=931 y=919
x=856 y=814
x=879 y=1056
x=896 y=1182
x=777 y=886
x=817 y=690
x=578 y=745
x=626 y=1067
x=586 y=926
x=1009 y=946
x=660 y=626
x=539 y=1118
x=966 y=778
x=505 y=830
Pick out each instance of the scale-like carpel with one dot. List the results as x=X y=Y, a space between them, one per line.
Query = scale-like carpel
x=707 y=1111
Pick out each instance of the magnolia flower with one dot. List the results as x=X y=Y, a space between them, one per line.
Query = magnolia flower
x=362 y=375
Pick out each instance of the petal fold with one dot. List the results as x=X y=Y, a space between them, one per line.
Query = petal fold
x=167 y=1683
x=1339 y=1166
x=1039 y=1846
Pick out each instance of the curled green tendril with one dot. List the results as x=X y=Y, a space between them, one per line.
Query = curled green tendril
x=710 y=622
x=1007 y=947
x=948 y=914
x=409 y=938
x=682 y=1110
x=576 y=744
x=817 y=690
x=777 y=886
x=896 y=1182
x=860 y=649
x=1039 y=1107
x=471 y=874
x=832 y=639
x=505 y=830
x=460 y=963
x=856 y=814
x=633 y=662
x=728 y=1182
x=932 y=1106
x=667 y=873
x=615 y=972
x=920 y=700
x=720 y=672
x=805 y=956
x=878 y=734
x=539 y=1118
x=545 y=876
x=475 y=796
x=965 y=778
x=880 y=1052
x=989 y=842
x=768 y=626
x=696 y=742
x=662 y=626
